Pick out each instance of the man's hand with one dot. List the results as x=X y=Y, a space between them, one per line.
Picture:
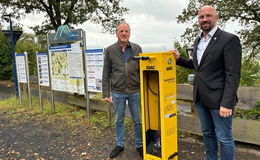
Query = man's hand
x=176 y=53
x=225 y=112
x=108 y=99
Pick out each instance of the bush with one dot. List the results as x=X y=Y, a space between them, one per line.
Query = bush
x=257 y=105
x=28 y=44
x=181 y=72
x=6 y=67
x=250 y=75
x=251 y=114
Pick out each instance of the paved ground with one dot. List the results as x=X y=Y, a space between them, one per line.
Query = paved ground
x=37 y=139
x=6 y=90
x=34 y=138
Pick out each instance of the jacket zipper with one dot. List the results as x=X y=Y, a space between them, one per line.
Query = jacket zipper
x=126 y=77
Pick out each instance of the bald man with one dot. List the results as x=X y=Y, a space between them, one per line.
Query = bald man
x=217 y=62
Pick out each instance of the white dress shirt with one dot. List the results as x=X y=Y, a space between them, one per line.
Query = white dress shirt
x=204 y=41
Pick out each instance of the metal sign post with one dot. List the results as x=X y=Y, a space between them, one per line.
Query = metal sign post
x=85 y=76
x=22 y=69
x=43 y=72
x=28 y=79
x=66 y=51
x=94 y=66
x=50 y=78
x=18 y=84
x=13 y=53
x=38 y=77
x=21 y=72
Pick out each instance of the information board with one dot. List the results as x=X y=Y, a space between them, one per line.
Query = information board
x=94 y=61
x=43 y=69
x=21 y=68
x=66 y=67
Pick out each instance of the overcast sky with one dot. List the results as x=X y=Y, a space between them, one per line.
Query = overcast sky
x=153 y=25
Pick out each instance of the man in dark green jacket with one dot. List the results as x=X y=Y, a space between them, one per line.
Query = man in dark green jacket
x=121 y=76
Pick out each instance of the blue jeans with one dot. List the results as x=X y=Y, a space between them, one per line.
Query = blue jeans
x=119 y=102
x=215 y=128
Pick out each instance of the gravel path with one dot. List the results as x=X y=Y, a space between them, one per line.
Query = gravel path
x=34 y=137
x=5 y=91
x=24 y=138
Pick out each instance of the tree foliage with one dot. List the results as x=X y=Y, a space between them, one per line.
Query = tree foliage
x=250 y=74
x=245 y=12
x=6 y=66
x=27 y=44
x=181 y=72
x=67 y=12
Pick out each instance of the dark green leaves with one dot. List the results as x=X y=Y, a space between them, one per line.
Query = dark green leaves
x=68 y=12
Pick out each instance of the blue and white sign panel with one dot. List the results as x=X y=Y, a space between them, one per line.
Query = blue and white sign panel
x=65 y=35
x=66 y=66
x=43 y=69
x=94 y=62
x=21 y=68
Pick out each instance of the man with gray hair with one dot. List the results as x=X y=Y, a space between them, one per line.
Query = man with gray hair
x=121 y=76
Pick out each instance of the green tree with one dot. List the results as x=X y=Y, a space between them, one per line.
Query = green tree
x=42 y=42
x=181 y=72
x=245 y=12
x=6 y=67
x=27 y=44
x=250 y=73
x=68 y=12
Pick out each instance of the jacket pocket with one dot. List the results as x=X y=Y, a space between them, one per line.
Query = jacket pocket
x=215 y=85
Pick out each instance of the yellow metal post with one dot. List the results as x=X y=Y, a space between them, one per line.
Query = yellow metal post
x=159 y=108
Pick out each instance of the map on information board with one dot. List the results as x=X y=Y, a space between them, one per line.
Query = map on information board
x=66 y=66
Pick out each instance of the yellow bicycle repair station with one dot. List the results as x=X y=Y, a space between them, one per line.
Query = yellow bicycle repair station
x=159 y=105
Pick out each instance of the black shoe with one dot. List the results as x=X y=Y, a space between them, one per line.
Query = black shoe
x=140 y=151
x=116 y=151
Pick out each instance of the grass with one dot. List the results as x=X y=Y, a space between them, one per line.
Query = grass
x=12 y=107
x=72 y=117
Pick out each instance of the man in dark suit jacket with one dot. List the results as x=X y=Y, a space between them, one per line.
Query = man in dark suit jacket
x=217 y=62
